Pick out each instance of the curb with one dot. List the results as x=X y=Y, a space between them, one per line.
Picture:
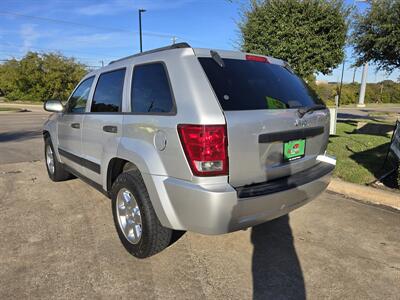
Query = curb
x=365 y=193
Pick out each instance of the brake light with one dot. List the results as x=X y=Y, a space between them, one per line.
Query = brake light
x=257 y=58
x=205 y=148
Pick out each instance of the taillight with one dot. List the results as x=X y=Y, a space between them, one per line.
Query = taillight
x=205 y=147
x=257 y=58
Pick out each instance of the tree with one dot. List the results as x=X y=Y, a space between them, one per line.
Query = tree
x=309 y=34
x=38 y=77
x=376 y=35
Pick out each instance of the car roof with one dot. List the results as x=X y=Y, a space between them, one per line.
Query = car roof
x=200 y=52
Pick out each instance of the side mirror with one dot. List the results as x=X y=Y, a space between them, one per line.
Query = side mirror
x=53 y=106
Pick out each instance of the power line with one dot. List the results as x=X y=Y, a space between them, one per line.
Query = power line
x=86 y=25
x=80 y=59
x=60 y=21
x=59 y=50
x=86 y=65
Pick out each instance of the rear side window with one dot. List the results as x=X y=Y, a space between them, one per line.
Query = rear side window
x=150 y=89
x=250 y=85
x=77 y=102
x=108 y=94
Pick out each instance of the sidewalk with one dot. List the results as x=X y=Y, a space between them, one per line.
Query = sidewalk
x=365 y=193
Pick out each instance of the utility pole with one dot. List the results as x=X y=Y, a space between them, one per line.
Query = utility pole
x=364 y=73
x=354 y=74
x=173 y=39
x=102 y=63
x=140 y=27
x=341 y=82
x=363 y=86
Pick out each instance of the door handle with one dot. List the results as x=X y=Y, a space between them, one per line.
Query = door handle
x=109 y=128
x=76 y=125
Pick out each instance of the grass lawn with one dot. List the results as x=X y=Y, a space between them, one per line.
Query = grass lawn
x=359 y=155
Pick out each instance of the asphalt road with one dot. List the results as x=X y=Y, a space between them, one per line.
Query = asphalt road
x=365 y=113
x=21 y=135
x=58 y=241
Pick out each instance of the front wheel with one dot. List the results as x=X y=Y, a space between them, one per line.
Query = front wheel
x=138 y=227
x=55 y=169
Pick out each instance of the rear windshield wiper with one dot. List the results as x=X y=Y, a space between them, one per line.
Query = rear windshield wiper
x=304 y=110
x=215 y=56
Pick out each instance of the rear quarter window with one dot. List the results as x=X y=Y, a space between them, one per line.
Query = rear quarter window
x=151 y=92
x=252 y=85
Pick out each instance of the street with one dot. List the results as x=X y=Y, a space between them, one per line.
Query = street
x=379 y=113
x=21 y=134
x=59 y=241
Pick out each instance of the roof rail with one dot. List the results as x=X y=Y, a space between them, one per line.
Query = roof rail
x=173 y=46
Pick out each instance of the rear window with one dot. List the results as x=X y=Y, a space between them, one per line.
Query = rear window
x=250 y=85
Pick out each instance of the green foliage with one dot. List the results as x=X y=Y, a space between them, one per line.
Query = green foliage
x=376 y=35
x=309 y=34
x=38 y=77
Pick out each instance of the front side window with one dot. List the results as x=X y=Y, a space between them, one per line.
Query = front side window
x=150 y=89
x=77 y=102
x=108 y=94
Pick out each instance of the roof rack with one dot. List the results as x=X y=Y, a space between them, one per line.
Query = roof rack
x=174 y=46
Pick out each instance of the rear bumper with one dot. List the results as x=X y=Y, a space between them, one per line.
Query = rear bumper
x=217 y=209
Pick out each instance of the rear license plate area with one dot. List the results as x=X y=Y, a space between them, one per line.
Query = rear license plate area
x=294 y=149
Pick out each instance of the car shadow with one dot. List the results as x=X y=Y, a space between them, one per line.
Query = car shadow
x=349 y=116
x=373 y=129
x=375 y=161
x=19 y=135
x=276 y=269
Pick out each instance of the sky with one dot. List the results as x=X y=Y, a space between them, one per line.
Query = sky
x=96 y=32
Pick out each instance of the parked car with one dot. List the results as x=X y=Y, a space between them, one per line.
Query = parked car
x=191 y=139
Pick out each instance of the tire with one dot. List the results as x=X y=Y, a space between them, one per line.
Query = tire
x=129 y=193
x=57 y=172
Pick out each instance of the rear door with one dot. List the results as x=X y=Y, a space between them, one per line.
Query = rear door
x=102 y=126
x=263 y=100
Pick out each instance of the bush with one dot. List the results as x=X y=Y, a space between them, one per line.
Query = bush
x=38 y=77
x=383 y=92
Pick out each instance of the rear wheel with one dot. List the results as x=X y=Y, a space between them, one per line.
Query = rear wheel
x=136 y=222
x=55 y=169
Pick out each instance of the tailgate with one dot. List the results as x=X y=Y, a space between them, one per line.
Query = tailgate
x=276 y=124
x=256 y=143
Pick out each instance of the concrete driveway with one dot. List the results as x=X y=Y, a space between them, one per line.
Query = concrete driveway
x=58 y=241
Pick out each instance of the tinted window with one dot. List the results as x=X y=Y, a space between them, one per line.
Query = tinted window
x=150 y=89
x=248 y=85
x=108 y=94
x=77 y=102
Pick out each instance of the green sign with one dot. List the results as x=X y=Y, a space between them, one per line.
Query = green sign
x=275 y=103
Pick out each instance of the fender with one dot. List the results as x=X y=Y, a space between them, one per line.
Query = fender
x=50 y=126
x=147 y=160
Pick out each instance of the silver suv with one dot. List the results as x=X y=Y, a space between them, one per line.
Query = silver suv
x=191 y=139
